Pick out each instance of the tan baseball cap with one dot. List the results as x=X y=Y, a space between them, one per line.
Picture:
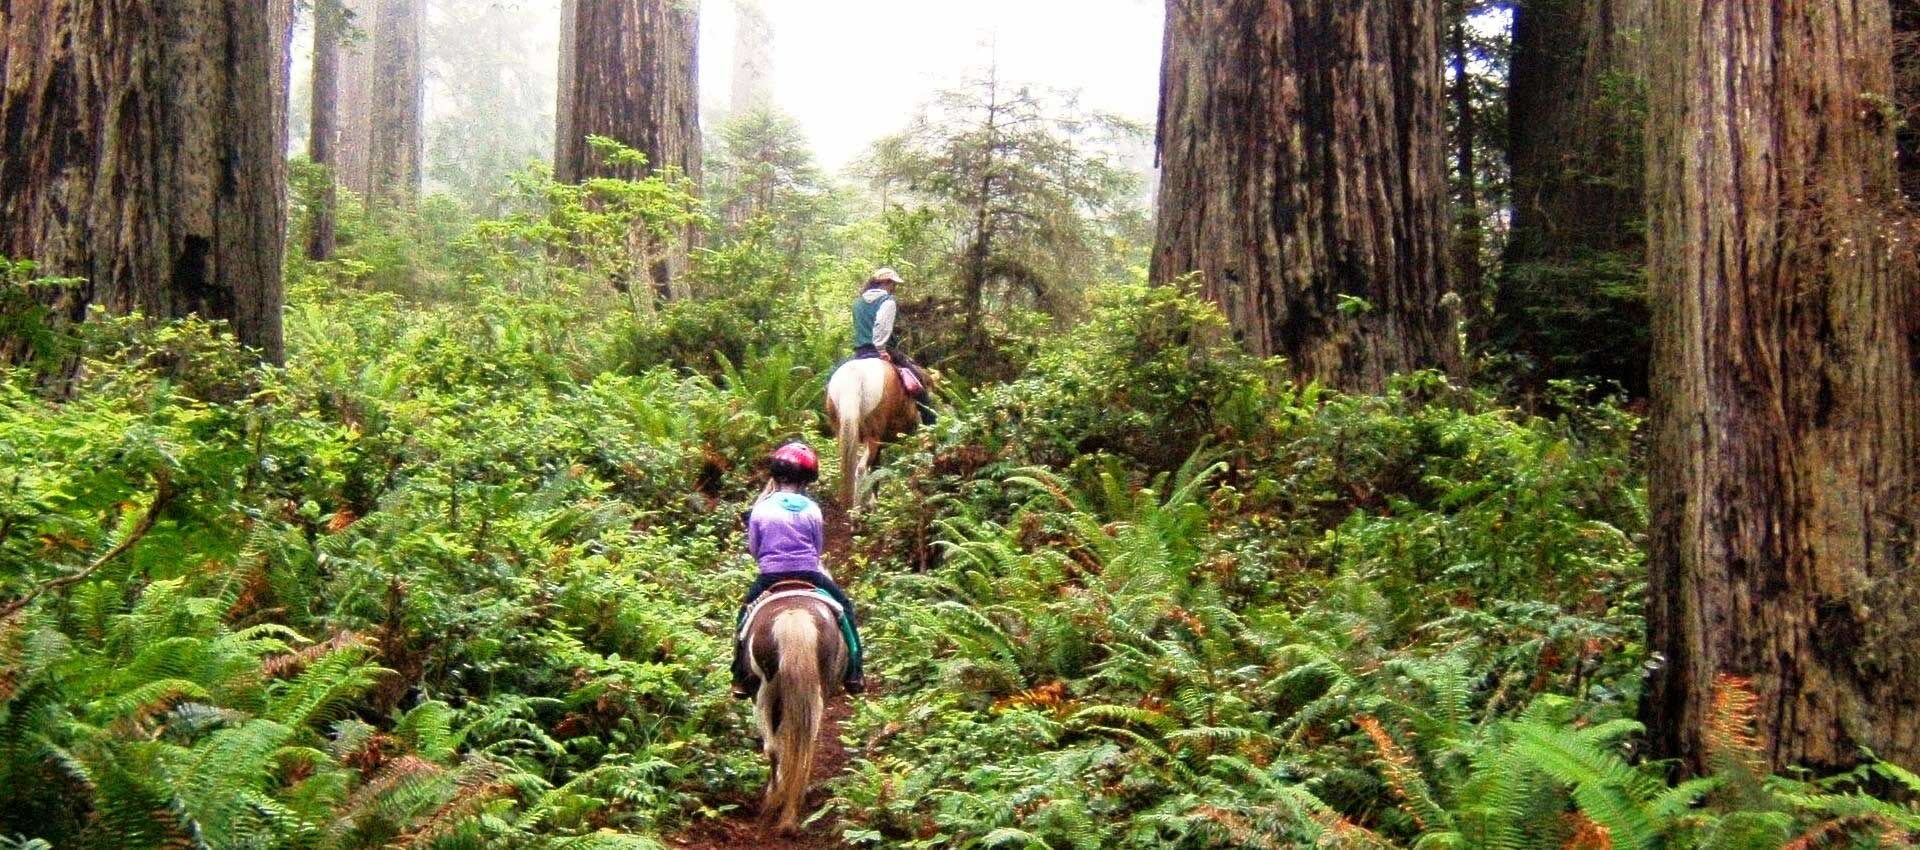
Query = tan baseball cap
x=886 y=275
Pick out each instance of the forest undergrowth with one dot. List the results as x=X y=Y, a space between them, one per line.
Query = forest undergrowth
x=461 y=575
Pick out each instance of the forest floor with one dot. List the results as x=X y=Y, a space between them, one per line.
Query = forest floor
x=743 y=828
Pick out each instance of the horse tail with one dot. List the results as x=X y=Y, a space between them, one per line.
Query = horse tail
x=847 y=432
x=802 y=704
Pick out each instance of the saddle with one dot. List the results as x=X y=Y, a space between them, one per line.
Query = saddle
x=908 y=380
x=789 y=590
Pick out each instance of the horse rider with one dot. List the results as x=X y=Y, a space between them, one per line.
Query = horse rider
x=786 y=535
x=874 y=313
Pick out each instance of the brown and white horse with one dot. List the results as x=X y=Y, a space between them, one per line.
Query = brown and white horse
x=795 y=648
x=867 y=403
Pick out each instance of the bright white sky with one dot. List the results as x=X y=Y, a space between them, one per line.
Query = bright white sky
x=854 y=70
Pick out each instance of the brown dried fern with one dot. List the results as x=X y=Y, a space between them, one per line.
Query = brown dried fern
x=1731 y=741
x=1402 y=773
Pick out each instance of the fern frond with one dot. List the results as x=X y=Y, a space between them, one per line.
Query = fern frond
x=1605 y=786
x=1007 y=836
x=146 y=699
x=1134 y=715
x=1731 y=746
x=1403 y=775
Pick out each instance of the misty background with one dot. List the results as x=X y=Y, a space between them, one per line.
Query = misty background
x=848 y=71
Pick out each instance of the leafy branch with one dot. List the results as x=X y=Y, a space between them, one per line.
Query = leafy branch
x=163 y=496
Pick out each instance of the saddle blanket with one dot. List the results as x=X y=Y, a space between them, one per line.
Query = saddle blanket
x=746 y=623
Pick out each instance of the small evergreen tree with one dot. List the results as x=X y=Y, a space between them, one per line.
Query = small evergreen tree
x=1030 y=186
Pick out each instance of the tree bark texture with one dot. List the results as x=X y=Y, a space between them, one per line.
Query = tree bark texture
x=280 y=19
x=1786 y=393
x=140 y=154
x=562 y=116
x=323 y=130
x=398 y=96
x=1302 y=146
x=1469 y=240
x=1570 y=295
x=1906 y=93
x=355 y=107
x=634 y=79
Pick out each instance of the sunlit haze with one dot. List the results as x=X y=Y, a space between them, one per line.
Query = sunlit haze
x=853 y=70
x=850 y=71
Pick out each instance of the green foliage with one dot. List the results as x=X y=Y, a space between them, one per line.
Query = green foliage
x=494 y=110
x=1404 y=620
x=32 y=335
x=763 y=185
x=1579 y=317
x=461 y=575
x=598 y=237
x=1033 y=203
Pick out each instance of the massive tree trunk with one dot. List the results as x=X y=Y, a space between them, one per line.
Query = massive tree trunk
x=328 y=19
x=280 y=23
x=562 y=116
x=1302 y=147
x=1468 y=272
x=355 y=115
x=1571 y=297
x=280 y=17
x=752 y=59
x=633 y=79
x=1786 y=412
x=1906 y=93
x=394 y=150
x=140 y=155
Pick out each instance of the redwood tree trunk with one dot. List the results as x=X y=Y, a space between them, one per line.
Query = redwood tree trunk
x=1303 y=153
x=280 y=22
x=633 y=79
x=394 y=149
x=140 y=155
x=752 y=59
x=1906 y=93
x=562 y=116
x=355 y=114
x=322 y=130
x=1786 y=412
x=1468 y=273
x=1571 y=296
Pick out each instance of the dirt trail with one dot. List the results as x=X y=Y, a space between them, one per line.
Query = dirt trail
x=742 y=829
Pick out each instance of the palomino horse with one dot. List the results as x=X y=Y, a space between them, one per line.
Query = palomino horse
x=867 y=403
x=795 y=647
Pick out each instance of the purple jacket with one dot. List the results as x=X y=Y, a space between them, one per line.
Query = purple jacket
x=786 y=533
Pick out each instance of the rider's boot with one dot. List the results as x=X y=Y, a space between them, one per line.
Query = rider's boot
x=744 y=682
x=927 y=416
x=856 y=679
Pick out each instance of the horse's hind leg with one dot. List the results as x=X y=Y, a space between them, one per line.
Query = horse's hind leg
x=769 y=800
x=869 y=458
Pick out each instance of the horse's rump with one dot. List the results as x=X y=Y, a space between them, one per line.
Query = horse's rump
x=794 y=645
x=867 y=402
x=764 y=650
